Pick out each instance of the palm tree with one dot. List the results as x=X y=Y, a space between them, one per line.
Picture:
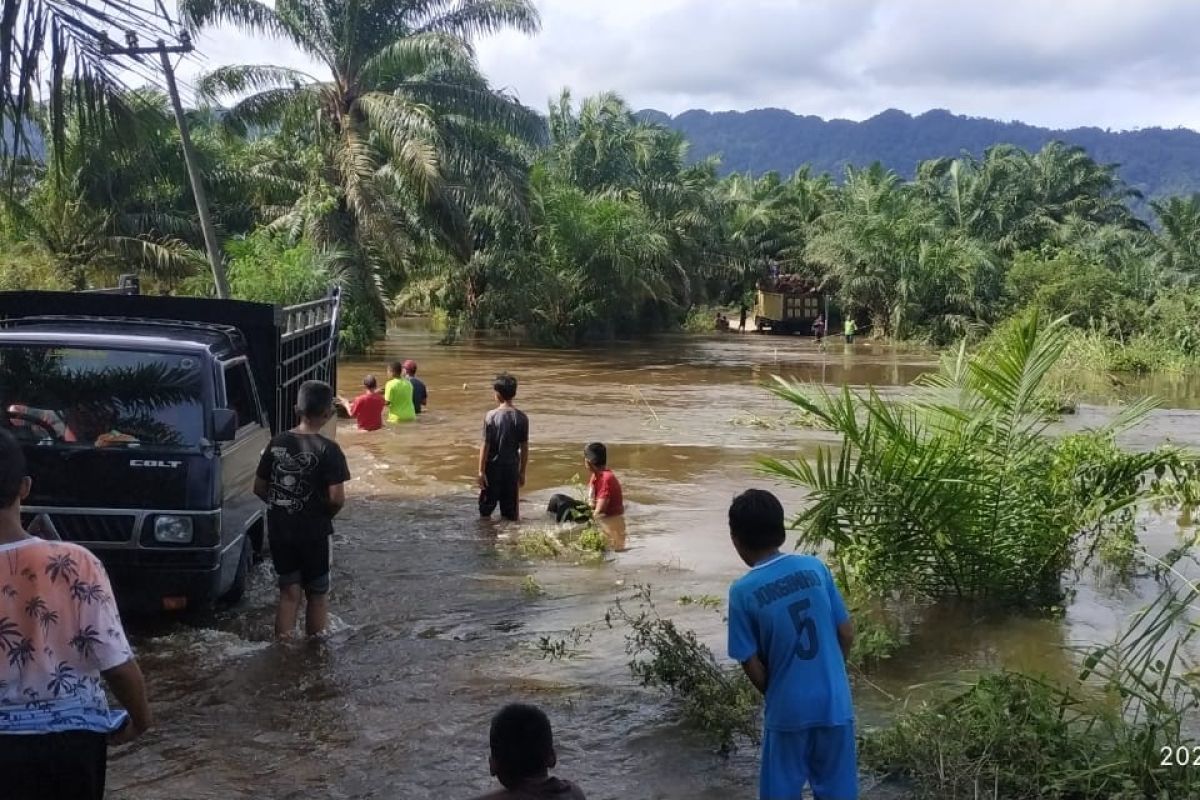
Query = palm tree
x=1180 y=237
x=410 y=135
x=63 y=43
x=114 y=199
x=869 y=244
x=959 y=490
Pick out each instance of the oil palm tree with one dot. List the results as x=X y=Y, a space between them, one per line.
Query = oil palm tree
x=959 y=490
x=115 y=199
x=63 y=43
x=410 y=135
x=1180 y=236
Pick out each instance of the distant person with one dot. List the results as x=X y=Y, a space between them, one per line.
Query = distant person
x=719 y=320
x=742 y=319
x=302 y=478
x=504 y=453
x=420 y=397
x=818 y=328
x=398 y=394
x=522 y=754
x=790 y=631
x=851 y=329
x=367 y=408
x=63 y=641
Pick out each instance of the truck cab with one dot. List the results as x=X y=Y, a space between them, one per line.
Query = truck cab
x=143 y=423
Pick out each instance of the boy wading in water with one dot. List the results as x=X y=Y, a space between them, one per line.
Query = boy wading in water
x=790 y=631
x=398 y=393
x=64 y=641
x=522 y=755
x=302 y=477
x=605 y=496
x=504 y=454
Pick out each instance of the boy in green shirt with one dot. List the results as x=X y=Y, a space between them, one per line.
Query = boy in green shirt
x=398 y=393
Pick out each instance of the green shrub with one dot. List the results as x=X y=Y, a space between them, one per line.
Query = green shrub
x=25 y=266
x=1099 y=737
x=266 y=268
x=958 y=491
x=715 y=698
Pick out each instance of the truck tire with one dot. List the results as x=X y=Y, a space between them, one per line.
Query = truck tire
x=242 y=577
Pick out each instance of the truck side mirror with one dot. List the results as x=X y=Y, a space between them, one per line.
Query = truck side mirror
x=225 y=424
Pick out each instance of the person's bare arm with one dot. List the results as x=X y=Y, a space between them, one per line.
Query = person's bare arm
x=756 y=671
x=129 y=686
x=483 y=459
x=337 y=498
x=600 y=506
x=261 y=488
x=524 y=463
x=845 y=634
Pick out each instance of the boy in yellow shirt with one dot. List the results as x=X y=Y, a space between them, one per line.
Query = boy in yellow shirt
x=398 y=393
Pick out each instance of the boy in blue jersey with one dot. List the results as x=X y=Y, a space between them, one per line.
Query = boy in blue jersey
x=790 y=631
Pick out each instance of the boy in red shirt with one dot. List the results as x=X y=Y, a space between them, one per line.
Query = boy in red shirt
x=605 y=496
x=368 y=407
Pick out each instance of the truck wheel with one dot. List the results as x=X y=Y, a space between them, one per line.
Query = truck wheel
x=238 y=590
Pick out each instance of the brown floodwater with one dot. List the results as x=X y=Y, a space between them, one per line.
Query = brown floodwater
x=435 y=627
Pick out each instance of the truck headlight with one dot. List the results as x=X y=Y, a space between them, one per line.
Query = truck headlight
x=170 y=529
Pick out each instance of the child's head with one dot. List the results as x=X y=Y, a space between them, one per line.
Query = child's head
x=756 y=523
x=370 y=384
x=596 y=456
x=505 y=387
x=396 y=369
x=14 y=482
x=522 y=744
x=410 y=367
x=314 y=402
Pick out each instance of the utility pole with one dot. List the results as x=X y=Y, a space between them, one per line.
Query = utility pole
x=164 y=52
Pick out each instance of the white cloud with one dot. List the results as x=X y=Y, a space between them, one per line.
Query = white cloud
x=1110 y=63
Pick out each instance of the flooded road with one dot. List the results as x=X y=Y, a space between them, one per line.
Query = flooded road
x=435 y=623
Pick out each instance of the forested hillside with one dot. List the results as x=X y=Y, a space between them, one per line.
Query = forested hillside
x=1154 y=161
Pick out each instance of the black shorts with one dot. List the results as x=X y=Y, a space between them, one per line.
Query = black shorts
x=301 y=556
x=503 y=489
x=53 y=766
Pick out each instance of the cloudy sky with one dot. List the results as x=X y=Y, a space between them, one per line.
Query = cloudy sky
x=1061 y=63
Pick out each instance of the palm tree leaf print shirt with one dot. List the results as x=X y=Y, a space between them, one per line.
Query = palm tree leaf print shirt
x=59 y=630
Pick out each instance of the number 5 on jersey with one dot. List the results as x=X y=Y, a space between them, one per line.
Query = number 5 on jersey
x=807 y=645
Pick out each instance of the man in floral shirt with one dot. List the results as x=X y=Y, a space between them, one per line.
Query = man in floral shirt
x=61 y=641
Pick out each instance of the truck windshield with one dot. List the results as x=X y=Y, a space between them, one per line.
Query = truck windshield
x=68 y=397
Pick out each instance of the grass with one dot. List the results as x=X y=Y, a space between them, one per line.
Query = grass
x=546 y=544
x=1101 y=736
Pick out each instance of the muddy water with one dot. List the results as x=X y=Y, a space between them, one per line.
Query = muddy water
x=434 y=628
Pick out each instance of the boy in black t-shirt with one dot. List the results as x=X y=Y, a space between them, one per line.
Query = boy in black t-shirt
x=504 y=453
x=302 y=477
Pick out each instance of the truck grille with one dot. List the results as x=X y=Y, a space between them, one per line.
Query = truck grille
x=107 y=528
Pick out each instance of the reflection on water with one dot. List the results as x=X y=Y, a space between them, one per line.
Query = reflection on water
x=436 y=630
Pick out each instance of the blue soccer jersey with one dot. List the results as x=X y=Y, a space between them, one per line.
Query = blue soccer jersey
x=786 y=610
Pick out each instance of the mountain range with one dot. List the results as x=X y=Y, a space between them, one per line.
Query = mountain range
x=1155 y=161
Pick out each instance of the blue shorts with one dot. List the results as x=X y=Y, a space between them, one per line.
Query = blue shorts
x=822 y=757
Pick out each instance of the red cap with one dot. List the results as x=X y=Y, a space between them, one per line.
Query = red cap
x=410 y=366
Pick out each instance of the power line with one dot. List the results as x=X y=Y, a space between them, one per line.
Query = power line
x=211 y=245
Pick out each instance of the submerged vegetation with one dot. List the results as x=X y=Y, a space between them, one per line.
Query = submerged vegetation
x=958 y=491
x=715 y=698
x=1118 y=731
